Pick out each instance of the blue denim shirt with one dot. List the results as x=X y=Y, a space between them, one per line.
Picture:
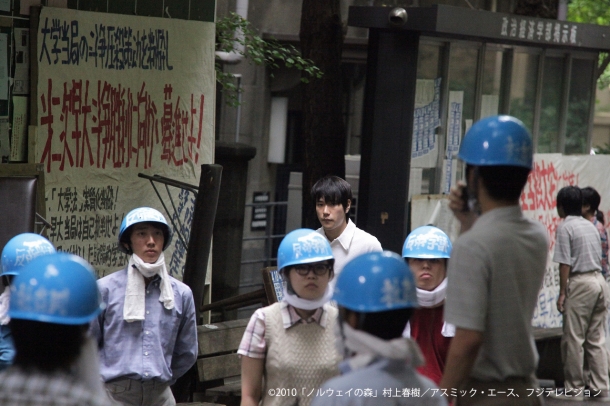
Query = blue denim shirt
x=161 y=347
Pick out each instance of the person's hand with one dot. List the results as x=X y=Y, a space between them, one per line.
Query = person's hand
x=459 y=206
x=560 y=301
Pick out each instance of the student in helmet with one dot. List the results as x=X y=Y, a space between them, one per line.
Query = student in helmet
x=427 y=250
x=54 y=297
x=376 y=298
x=291 y=344
x=497 y=266
x=17 y=253
x=147 y=333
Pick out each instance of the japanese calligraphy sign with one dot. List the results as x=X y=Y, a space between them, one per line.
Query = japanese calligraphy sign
x=551 y=172
x=120 y=95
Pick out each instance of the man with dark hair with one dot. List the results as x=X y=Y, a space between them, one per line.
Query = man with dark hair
x=147 y=333
x=583 y=295
x=590 y=210
x=497 y=266
x=376 y=297
x=53 y=299
x=333 y=198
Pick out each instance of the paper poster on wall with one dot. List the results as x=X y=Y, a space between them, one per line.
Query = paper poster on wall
x=135 y=96
x=454 y=137
x=426 y=119
x=19 y=129
x=21 y=77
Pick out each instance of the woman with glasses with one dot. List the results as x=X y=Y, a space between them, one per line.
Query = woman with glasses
x=427 y=250
x=288 y=349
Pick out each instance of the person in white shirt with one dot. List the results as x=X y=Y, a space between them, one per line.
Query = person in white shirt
x=333 y=199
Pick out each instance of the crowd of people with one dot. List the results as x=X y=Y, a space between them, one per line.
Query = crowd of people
x=445 y=322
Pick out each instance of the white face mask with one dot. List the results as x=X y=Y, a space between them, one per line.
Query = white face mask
x=305 y=304
x=432 y=298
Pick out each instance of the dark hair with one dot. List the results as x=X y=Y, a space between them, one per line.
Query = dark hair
x=504 y=182
x=47 y=347
x=126 y=236
x=333 y=190
x=590 y=198
x=569 y=198
x=600 y=217
x=386 y=325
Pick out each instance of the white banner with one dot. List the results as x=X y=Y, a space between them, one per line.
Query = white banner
x=551 y=172
x=120 y=95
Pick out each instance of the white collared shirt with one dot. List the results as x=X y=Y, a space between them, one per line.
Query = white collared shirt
x=351 y=243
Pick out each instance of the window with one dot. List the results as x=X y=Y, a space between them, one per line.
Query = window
x=579 y=106
x=523 y=87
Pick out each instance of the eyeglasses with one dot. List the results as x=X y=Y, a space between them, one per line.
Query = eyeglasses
x=318 y=269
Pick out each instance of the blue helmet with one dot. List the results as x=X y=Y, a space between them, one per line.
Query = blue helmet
x=303 y=246
x=427 y=242
x=21 y=249
x=56 y=288
x=497 y=140
x=143 y=215
x=376 y=282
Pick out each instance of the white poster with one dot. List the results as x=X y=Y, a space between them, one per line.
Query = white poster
x=19 y=129
x=551 y=172
x=426 y=119
x=120 y=95
x=454 y=137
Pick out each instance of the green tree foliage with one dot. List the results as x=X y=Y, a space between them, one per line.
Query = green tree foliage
x=593 y=12
x=256 y=50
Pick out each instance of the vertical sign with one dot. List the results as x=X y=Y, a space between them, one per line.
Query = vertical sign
x=454 y=136
x=119 y=95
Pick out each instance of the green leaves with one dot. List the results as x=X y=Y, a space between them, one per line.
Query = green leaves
x=234 y=29
x=593 y=12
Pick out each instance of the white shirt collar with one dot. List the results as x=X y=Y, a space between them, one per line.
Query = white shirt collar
x=346 y=237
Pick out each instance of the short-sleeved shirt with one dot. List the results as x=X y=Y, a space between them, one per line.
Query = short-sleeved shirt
x=253 y=342
x=603 y=235
x=578 y=244
x=494 y=275
x=351 y=243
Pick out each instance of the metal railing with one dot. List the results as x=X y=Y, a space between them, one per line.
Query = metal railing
x=268 y=253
